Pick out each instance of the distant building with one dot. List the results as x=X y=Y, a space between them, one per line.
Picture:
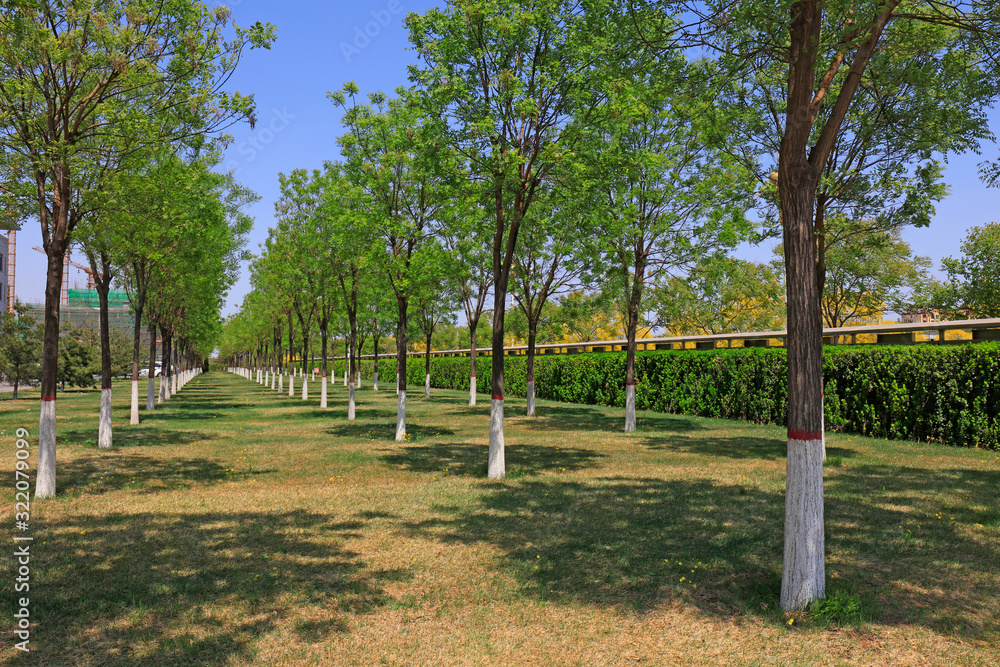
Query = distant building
x=922 y=315
x=932 y=315
x=82 y=311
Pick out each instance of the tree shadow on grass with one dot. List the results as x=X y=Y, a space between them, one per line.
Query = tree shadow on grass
x=127 y=436
x=381 y=429
x=739 y=447
x=469 y=460
x=111 y=470
x=188 y=588
x=637 y=543
x=573 y=417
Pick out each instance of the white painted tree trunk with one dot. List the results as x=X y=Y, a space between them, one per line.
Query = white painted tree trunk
x=322 y=392
x=427 y=386
x=314 y=375
x=274 y=380
x=472 y=390
x=173 y=380
x=629 y=407
x=291 y=385
x=350 y=401
x=357 y=377
x=400 y=415
x=305 y=389
x=150 y=394
x=166 y=388
x=133 y=415
x=162 y=391
x=530 y=387
x=104 y=427
x=375 y=379
x=397 y=384
x=804 y=576
x=496 y=467
x=281 y=383
x=345 y=373
x=45 y=478
x=822 y=421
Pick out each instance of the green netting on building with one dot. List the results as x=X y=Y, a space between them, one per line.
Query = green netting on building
x=88 y=297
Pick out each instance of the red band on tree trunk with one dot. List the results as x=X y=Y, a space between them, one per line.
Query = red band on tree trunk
x=103 y=387
x=804 y=435
x=472 y=376
x=630 y=384
x=497 y=398
x=530 y=379
x=48 y=398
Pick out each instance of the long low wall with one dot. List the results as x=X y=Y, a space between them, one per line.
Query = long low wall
x=952 y=332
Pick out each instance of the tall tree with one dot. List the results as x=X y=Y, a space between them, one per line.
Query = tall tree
x=721 y=295
x=665 y=196
x=507 y=77
x=467 y=238
x=824 y=55
x=392 y=153
x=549 y=261
x=20 y=347
x=974 y=277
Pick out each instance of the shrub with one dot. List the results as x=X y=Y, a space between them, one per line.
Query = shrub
x=947 y=394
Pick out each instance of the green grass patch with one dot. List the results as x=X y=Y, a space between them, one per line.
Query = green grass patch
x=238 y=526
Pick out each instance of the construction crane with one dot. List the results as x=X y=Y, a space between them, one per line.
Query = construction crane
x=11 y=247
x=64 y=296
x=91 y=284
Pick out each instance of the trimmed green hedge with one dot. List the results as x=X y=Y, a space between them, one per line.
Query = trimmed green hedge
x=948 y=394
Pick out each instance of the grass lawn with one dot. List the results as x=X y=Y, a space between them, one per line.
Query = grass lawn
x=236 y=526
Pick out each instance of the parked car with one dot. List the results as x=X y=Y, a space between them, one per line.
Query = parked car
x=144 y=372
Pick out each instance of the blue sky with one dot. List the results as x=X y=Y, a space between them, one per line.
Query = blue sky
x=321 y=46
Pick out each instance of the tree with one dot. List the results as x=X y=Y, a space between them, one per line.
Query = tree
x=547 y=263
x=974 y=278
x=77 y=359
x=871 y=271
x=665 y=197
x=392 y=152
x=467 y=238
x=507 y=78
x=722 y=295
x=819 y=54
x=436 y=303
x=86 y=87
x=20 y=347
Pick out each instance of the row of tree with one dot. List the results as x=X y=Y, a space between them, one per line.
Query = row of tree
x=534 y=128
x=107 y=115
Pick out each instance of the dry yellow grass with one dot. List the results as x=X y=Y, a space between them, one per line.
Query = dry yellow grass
x=239 y=527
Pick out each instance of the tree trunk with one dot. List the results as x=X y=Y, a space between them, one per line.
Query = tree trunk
x=427 y=367
x=496 y=466
x=472 y=362
x=530 y=372
x=375 y=374
x=104 y=431
x=634 y=299
x=151 y=378
x=45 y=479
x=136 y=349
x=323 y=333
x=402 y=303
x=352 y=352
x=174 y=358
x=803 y=576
